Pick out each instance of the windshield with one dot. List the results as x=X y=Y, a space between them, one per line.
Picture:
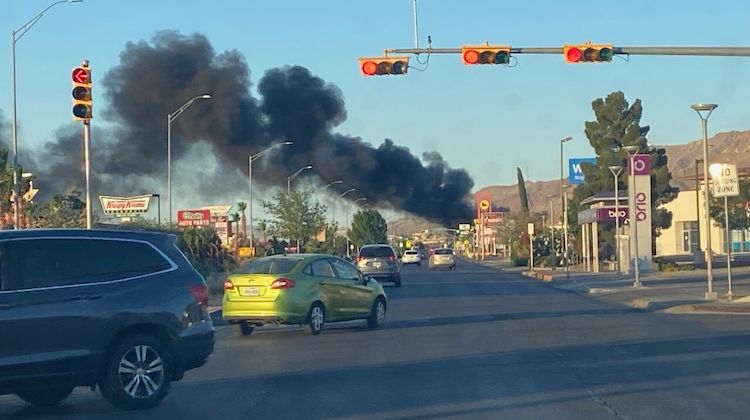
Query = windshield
x=376 y=252
x=272 y=265
x=443 y=252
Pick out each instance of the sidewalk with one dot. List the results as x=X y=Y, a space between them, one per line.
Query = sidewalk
x=672 y=292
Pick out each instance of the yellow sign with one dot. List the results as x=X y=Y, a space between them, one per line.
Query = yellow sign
x=466 y=242
x=246 y=252
x=407 y=244
x=484 y=204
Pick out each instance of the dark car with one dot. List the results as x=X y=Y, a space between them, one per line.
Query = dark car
x=124 y=311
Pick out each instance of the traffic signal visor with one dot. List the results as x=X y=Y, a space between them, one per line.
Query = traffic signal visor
x=588 y=53
x=485 y=54
x=380 y=66
x=82 y=95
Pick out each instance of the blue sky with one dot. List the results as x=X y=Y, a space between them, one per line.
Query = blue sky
x=486 y=119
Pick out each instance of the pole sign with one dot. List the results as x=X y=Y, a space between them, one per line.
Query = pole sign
x=639 y=208
x=125 y=206
x=493 y=218
x=724 y=180
x=575 y=170
x=191 y=218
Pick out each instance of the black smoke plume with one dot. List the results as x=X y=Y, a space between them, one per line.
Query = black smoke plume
x=153 y=78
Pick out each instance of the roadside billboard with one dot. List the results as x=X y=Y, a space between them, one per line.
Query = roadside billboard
x=191 y=218
x=125 y=206
x=575 y=170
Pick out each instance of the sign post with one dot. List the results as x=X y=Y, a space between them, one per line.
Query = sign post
x=725 y=184
x=530 y=230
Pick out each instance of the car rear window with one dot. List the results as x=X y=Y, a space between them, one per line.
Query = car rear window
x=273 y=265
x=444 y=252
x=376 y=251
x=410 y=252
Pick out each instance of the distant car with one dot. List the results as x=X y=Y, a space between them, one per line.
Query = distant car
x=380 y=262
x=423 y=253
x=124 y=311
x=307 y=289
x=442 y=258
x=411 y=256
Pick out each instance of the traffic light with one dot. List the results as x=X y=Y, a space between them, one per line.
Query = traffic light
x=485 y=54
x=82 y=96
x=588 y=53
x=379 y=66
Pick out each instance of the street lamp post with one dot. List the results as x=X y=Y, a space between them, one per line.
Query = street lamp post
x=326 y=187
x=15 y=36
x=171 y=117
x=294 y=175
x=158 y=208
x=632 y=150
x=250 y=160
x=551 y=218
x=350 y=190
x=697 y=202
x=708 y=108
x=616 y=170
x=562 y=197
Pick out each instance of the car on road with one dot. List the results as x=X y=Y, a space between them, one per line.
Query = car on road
x=411 y=256
x=380 y=262
x=307 y=289
x=124 y=311
x=442 y=258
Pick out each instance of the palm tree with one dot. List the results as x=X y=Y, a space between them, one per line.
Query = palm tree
x=242 y=206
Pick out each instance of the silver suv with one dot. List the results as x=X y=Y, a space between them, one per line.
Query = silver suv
x=380 y=262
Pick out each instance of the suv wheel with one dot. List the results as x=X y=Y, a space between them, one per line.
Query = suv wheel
x=377 y=314
x=138 y=373
x=44 y=397
x=316 y=319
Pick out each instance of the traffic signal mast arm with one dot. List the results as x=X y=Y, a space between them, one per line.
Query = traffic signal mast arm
x=686 y=51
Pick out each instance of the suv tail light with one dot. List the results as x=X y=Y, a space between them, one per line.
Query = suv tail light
x=360 y=258
x=228 y=285
x=391 y=258
x=200 y=293
x=282 y=283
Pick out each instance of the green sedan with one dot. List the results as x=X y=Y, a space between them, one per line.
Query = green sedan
x=306 y=289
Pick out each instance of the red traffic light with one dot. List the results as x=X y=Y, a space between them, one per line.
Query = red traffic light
x=379 y=66
x=485 y=54
x=573 y=55
x=588 y=53
x=81 y=75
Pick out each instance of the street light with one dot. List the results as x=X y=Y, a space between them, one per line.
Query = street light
x=294 y=175
x=250 y=160
x=15 y=36
x=709 y=108
x=350 y=190
x=616 y=170
x=562 y=197
x=171 y=117
x=331 y=183
x=632 y=150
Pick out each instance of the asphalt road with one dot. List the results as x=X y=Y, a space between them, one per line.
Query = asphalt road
x=474 y=343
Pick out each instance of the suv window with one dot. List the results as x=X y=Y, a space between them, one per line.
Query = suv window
x=444 y=251
x=410 y=252
x=48 y=262
x=271 y=265
x=344 y=270
x=321 y=268
x=377 y=252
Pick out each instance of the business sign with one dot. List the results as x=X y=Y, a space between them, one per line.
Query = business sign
x=124 y=206
x=191 y=218
x=575 y=170
x=220 y=210
x=639 y=209
x=493 y=218
x=464 y=227
x=602 y=215
x=724 y=180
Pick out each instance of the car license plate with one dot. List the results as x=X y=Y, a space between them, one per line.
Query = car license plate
x=376 y=264
x=251 y=291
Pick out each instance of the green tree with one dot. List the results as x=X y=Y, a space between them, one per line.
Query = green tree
x=522 y=195
x=368 y=227
x=327 y=246
x=738 y=214
x=617 y=124
x=295 y=216
x=63 y=211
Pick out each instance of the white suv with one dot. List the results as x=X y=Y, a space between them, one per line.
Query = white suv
x=411 y=256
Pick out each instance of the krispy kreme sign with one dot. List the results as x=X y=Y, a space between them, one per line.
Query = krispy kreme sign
x=124 y=205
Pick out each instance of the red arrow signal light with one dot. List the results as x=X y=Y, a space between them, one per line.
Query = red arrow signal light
x=81 y=75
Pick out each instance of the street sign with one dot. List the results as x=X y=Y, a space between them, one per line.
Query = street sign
x=724 y=180
x=125 y=206
x=484 y=205
x=530 y=228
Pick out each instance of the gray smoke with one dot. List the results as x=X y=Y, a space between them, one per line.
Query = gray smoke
x=153 y=78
